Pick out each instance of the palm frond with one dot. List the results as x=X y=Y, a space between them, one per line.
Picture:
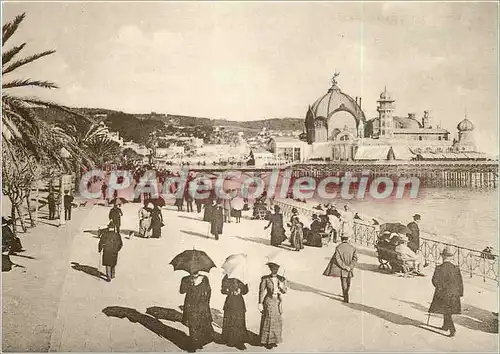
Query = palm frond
x=10 y=28
x=27 y=60
x=11 y=53
x=35 y=102
x=28 y=82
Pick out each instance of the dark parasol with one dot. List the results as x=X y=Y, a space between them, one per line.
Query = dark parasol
x=193 y=261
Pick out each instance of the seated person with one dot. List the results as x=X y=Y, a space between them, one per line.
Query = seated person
x=405 y=254
x=313 y=234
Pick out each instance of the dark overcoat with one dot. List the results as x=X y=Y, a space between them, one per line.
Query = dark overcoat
x=414 y=237
x=110 y=244
x=449 y=285
x=217 y=221
x=115 y=214
x=343 y=261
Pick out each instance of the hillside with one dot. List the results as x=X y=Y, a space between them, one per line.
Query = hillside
x=137 y=127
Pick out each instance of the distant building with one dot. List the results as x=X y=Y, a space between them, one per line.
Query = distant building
x=263 y=157
x=337 y=129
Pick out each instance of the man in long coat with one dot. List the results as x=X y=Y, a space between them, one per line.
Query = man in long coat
x=110 y=244
x=449 y=285
x=217 y=221
x=115 y=214
x=414 y=237
x=342 y=264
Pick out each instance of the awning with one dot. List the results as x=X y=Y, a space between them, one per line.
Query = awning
x=402 y=152
x=375 y=152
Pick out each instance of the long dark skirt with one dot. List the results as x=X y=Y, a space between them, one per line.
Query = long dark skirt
x=109 y=258
x=271 y=323
x=156 y=232
x=234 y=330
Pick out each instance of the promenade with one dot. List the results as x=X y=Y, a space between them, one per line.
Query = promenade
x=58 y=302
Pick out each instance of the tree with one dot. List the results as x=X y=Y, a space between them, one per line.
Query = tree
x=21 y=125
x=17 y=179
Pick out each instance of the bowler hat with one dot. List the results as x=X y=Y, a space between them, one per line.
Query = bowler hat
x=417 y=217
x=447 y=252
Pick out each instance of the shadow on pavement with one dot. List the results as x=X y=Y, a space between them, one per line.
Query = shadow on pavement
x=255 y=239
x=190 y=217
x=301 y=287
x=472 y=317
x=179 y=338
x=193 y=233
x=7 y=264
x=92 y=232
x=392 y=317
x=371 y=268
x=93 y=271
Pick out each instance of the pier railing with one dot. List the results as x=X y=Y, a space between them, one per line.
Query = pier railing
x=472 y=263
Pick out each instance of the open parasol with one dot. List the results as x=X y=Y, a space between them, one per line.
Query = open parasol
x=235 y=266
x=193 y=261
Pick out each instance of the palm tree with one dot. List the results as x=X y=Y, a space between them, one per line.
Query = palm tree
x=22 y=127
x=103 y=150
x=29 y=142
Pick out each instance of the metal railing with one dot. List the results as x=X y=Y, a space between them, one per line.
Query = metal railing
x=471 y=262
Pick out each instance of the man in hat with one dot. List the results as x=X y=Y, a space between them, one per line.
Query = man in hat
x=68 y=201
x=414 y=237
x=449 y=285
x=342 y=264
x=110 y=244
x=406 y=254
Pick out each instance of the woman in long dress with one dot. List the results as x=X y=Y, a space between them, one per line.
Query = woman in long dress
x=207 y=213
x=234 y=330
x=271 y=289
x=217 y=221
x=145 y=219
x=296 y=233
x=196 y=312
x=277 y=229
x=156 y=222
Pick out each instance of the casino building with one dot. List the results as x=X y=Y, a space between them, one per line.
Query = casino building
x=336 y=129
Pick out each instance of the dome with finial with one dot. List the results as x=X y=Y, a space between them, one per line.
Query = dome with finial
x=385 y=95
x=333 y=101
x=465 y=125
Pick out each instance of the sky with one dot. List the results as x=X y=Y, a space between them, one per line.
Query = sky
x=256 y=60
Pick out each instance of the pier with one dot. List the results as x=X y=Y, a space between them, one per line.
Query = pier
x=464 y=174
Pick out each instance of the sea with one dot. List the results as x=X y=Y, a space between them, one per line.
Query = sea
x=459 y=216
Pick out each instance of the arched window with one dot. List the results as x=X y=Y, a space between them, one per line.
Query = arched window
x=344 y=138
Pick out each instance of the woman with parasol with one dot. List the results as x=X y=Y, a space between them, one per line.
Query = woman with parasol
x=271 y=288
x=196 y=311
x=234 y=330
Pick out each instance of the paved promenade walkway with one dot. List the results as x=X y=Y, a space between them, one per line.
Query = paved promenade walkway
x=139 y=310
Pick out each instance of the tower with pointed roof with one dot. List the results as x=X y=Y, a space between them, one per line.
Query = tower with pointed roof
x=385 y=109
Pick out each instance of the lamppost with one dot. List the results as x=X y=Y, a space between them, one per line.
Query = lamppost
x=62 y=221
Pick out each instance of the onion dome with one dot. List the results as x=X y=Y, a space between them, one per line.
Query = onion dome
x=465 y=125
